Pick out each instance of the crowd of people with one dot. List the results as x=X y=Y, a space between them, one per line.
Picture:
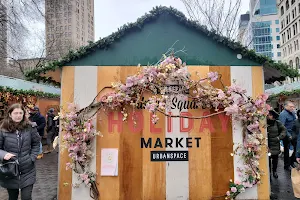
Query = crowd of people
x=284 y=127
x=21 y=133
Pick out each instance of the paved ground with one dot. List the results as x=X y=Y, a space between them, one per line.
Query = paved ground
x=282 y=187
x=46 y=185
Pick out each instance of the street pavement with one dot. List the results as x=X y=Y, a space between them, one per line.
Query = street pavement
x=46 y=186
x=282 y=188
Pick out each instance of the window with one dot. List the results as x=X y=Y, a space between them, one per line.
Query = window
x=277 y=37
x=293 y=1
x=282 y=10
x=277 y=30
x=293 y=14
x=276 y=21
x=291 y=63
x=287 y=5
x=297 y=63
x=278 y=54
x=278 y=46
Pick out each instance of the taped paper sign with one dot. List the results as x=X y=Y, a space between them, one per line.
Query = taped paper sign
x=109 y=162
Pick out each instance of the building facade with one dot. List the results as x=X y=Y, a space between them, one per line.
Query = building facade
x=243 y=26
x=263 y=30
x=3 y=37
x=289 y=16
x=69 y=25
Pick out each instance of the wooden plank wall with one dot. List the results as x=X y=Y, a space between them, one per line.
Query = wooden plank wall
x=67 y=95
x=210 y=166
x=221 y=141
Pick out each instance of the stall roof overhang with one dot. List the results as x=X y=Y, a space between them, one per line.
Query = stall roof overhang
x=199 y=36
x=284 y=90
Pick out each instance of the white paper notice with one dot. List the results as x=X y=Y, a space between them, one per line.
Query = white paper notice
x=109 y=162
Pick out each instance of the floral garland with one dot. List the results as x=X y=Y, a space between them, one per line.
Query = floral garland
x=79 y=131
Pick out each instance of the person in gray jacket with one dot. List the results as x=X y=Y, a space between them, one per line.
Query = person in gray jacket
x=18 y=139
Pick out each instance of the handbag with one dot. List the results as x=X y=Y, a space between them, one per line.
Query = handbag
x=9 y=169
x=295 y=177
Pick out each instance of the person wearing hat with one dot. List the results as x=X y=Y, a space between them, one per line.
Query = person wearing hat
x=50 y=130
x=276 y=132
x=39 y=119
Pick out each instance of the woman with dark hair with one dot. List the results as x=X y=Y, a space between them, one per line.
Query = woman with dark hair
x=276 y=132
x=18 y=139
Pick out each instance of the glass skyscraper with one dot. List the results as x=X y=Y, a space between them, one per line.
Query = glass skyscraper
x=264 y=28
x=268 y=7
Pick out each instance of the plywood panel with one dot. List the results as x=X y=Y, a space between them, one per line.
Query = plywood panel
x=242 y=76
x=109 y=187
x=177 y=184
x=131 y=174
x=154 y=173
x=55 y=75
x=84 y=93
x=200 y=165
x=221 y=141
x=65 y=176
x=258 y=89
x=45 y=104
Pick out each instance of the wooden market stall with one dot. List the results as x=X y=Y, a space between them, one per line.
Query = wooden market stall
x=207 y=173
x=14 y=90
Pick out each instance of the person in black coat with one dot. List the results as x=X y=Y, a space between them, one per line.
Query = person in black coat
x=276 y=132
x=50 y=129
x=18 y=139
x=39 y=119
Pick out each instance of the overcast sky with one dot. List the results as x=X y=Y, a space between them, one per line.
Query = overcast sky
x=112 y=14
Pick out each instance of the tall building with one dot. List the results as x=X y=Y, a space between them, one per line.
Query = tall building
x=243 y=25
x=3 y=37
x=289 y=16
x=263 y=31
x=69 y=25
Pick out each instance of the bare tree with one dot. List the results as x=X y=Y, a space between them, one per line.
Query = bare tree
x=15 y=16
x=219 y=15
x=23 y=41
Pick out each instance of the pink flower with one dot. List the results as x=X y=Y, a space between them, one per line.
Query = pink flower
x=247 y=185
x=221 y=94
x=228 y=193
x=234 y=109
x=213 y=76
x=237 y=182
x=253 y=127
x=233 y=189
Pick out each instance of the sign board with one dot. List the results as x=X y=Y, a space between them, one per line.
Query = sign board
x=169 y=156
x=109 y=162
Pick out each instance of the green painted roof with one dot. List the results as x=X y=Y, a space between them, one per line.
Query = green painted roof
x=139 y=43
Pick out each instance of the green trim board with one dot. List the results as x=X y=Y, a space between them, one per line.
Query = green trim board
x=144 y=42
